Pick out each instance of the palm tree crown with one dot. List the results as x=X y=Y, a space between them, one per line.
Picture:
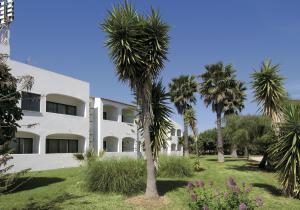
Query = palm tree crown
x=182 y=92
x=268 y=90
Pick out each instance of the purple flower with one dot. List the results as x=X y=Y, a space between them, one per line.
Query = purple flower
x=194 y=197
x=205 y=207
x=231 y=182
x=259 y=202
x=248 y=189
x=200 y=183
x=242 y=206
x=190 y=185
x=236 y=189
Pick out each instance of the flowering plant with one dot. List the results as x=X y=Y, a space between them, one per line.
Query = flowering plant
x=206 y=197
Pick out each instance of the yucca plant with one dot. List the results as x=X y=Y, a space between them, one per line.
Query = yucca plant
x=285 y=154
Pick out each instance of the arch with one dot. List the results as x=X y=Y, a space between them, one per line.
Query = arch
x=110 y=144
x=64 y=104
x=127 y=115
x=127 y=144
x=64 y=143
x=173 y=147
x=110 y=112
x=26 y=142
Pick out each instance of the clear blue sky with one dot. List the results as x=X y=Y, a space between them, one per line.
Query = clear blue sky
x=64 y=36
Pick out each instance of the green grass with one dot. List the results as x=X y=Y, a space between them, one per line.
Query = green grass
x=62 y=189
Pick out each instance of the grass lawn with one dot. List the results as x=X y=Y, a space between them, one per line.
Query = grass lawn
x=62 y=189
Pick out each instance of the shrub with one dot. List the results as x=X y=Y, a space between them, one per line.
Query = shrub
x=174 y=166
x=197 y=165
x=234 y=197
x=125 y=176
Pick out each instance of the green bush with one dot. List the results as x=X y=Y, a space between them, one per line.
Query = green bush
x=197 y=165
x=125 y=176
x=174 y=166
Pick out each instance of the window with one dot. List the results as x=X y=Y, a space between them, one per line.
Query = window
x=104 y=145
x=30 y=101
x=61 y=108
x=173 y=132
x=104 y=115
x=178 y=132
x=61 y=146
x=22 y=145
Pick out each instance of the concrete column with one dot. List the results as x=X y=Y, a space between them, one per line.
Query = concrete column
x=119 y=144
x=119 y=115
x=43 y=103
x=42 y=144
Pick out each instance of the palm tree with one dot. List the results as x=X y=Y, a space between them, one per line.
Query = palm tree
x=182 y=92
x=268 y=90
x=269 y=94
x=191 y=119
x=161 y=123
x=285 y=153
x=138 y=47
x=235 y=105
x=217 y=89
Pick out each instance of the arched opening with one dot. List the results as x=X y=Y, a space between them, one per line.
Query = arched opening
x=62 y=104
x=127 y=115
x=110 y=113
x=65 y=143
x=25 y=143
x=110 y=144
x=127 y=144
x=173 y=147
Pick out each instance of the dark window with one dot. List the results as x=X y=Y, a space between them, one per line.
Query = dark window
x=172 y=132
x=61 y=146
x=30 y=101
x=61 y=108
x=22 y=145
x=104 y=145
x=179 y=132
x=104 y=115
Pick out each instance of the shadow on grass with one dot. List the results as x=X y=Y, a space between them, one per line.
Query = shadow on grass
x=35 y=182
x=227 y=159
x=164 y=186
x=249 y=166
x=50 y=205
x=270 y=188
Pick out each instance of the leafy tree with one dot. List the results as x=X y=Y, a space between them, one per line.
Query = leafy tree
x=138 y=47
x=10 y=114
x=285 y=153
x=217 y=88
x=161 y=123
x=182 y=92
x=269 y=94
x=207 y=141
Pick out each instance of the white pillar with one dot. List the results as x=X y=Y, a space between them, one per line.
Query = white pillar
x=120 y=144
x=119 y=115
x=42 y=144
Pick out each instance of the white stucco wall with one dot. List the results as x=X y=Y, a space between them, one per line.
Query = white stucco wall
x=61 y=89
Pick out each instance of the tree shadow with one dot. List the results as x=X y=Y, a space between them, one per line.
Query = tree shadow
x=227 y=159
x=249 y=166
x=35 y=182
x=52 y=204
x=270 y=188
x=164 y=186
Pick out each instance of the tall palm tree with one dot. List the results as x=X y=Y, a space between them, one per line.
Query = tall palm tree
x=191 y=119
x=138 y=47
x=235 y=104
x=268 y=90
x=269 y=94
x=182 y=92
x=217 y=89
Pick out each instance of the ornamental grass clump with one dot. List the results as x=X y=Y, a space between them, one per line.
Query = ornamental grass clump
x=207 y=196
x=174 y=166
x=125 y=176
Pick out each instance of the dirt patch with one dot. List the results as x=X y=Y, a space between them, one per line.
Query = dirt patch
x=140 y=202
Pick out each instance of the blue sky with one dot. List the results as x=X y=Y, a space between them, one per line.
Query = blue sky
x=64 y=36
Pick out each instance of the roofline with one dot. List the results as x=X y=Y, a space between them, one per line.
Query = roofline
x=119 y=102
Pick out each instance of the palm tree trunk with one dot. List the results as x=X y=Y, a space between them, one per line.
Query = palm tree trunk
x=246 y=153
x=264 y=161
x=234 y=151
x=151 y=189
x=220 y=138
x=186 y=140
